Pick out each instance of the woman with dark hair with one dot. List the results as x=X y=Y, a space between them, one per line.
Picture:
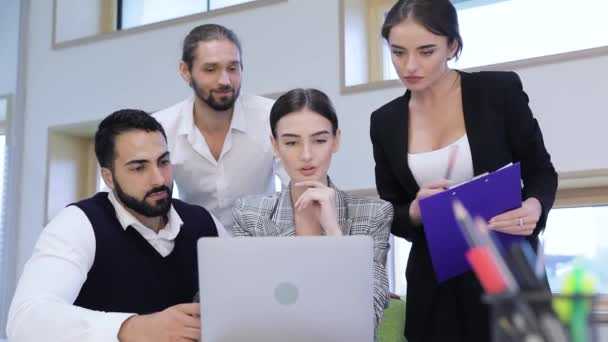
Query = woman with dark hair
x=486 y=118
x=305 y=135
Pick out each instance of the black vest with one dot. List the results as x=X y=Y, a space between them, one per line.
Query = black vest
x=128 y=274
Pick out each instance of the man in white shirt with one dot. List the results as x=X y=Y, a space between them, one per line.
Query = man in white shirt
x=219 y=141
x=119 y=265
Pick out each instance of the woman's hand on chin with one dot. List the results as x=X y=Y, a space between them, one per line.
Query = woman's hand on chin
x=322 y=199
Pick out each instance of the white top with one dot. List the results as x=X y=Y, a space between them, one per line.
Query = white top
x=246 y=165
x=42 y=308
x=431 y=166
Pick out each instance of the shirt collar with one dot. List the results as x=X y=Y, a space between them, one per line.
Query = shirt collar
x=238 y=116
x=186 y=116
x=126 y=219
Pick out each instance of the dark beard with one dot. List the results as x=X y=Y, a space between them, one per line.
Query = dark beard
x=141 y=206
x=212 y=102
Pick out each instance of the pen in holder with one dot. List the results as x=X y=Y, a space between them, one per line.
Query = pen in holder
x=506 y=322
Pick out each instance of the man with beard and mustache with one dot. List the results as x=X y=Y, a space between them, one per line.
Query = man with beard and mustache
x=219 y=140
x=121 y=265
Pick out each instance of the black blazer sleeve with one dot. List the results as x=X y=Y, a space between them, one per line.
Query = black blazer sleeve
x=527 y=146
x=388 y=186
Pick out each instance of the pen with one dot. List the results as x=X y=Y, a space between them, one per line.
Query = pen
x=451 y=161
x=487 y=271
x=474 y=232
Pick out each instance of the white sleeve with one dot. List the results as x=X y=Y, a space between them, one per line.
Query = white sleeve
x=42 y=308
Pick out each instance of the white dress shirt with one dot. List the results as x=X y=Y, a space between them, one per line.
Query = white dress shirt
x=246 y=165
x=42 y=308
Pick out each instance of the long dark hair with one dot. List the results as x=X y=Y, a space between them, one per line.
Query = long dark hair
x=205 y=33
x=437 y=16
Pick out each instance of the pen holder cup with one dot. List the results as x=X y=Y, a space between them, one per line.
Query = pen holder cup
x=517 y=317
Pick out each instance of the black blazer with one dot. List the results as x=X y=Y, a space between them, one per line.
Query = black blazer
x=500 y=128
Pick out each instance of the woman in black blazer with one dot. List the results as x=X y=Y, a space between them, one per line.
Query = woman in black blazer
x=487 y=113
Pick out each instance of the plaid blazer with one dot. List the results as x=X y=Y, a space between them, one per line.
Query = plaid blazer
x=272 y=215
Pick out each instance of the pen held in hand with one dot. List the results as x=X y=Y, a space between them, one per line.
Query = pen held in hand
x=451 y=162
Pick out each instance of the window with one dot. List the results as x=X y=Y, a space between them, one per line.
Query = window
x=510 y=30
x=6 y=236
x=576 y=233
x=493 y=31
x=84 y=21
x=3 y=160
x=133 y=13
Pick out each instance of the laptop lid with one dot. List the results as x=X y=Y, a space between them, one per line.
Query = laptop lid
x=286 y=289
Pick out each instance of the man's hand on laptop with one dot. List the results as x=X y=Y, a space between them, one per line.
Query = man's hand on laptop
x=177 y=323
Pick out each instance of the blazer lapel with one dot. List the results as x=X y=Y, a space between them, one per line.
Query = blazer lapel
x=281 y=222
x=344 y=221
x=475 y=116
x=399 y=142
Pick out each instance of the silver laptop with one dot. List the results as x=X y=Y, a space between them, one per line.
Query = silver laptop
x=286 y=289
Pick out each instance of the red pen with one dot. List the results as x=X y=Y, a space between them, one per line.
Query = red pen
x=486 y=270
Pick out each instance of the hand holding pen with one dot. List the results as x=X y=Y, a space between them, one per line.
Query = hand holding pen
x=434 y=187
x=426 y=190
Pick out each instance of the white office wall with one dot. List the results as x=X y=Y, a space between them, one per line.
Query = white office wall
x=289 y=44
x=9 y=42
x=569 y=101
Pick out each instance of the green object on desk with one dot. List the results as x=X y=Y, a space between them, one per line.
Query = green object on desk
x=580 y=307
x=574 y=311
x=391 y=327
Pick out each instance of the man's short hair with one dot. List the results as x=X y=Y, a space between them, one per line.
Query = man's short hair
x=205 y=33
x=115 y=124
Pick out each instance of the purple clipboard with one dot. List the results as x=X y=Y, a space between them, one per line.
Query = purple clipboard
x=486 y=196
